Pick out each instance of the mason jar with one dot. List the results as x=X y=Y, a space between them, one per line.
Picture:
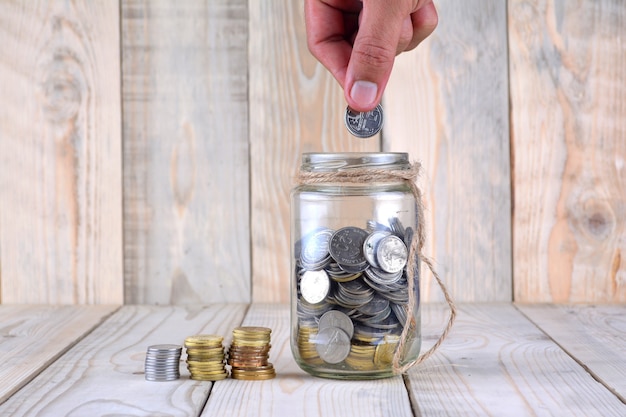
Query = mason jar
x=354 y=314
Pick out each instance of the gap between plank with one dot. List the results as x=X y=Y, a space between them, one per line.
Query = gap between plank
x=415 y=410
x=60 y=353
x=579 y=362
x=206 y=400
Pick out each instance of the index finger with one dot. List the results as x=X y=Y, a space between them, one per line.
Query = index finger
x=329 y=24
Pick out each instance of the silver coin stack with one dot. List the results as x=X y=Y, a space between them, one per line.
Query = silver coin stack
x=163 y=362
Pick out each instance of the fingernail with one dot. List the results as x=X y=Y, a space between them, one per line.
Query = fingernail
x=364 y=93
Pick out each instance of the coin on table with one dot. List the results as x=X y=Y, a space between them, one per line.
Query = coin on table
x=314 y=286
x=364 y=124
x=391 y=254
x=203 y=341
x=332 y=344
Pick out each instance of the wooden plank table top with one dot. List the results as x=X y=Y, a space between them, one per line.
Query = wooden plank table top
x=499 y=359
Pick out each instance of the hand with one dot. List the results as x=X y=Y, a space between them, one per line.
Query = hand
x=357 y=41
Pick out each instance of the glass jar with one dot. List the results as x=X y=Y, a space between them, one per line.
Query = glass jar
x=349 y=287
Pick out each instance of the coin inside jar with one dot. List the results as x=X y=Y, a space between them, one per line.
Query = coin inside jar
x=391 y=254
x=332 y=344
x=314 y=286
x=334 y=318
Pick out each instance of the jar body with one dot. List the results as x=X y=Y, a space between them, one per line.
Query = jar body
x=349 y=288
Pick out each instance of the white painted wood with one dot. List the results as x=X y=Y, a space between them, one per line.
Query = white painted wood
x=103 y=375
x=33 y=337
x=60 y=153
x=447 y=105
x=495 y=362
x=595 y=336
x=186 y=176
x=295 y=393
x=568 y=134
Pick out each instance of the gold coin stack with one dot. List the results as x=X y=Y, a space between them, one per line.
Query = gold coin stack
x=306 y=345
x=249 y=353
x=205 y=357
x=385 y=350
x=361 y=357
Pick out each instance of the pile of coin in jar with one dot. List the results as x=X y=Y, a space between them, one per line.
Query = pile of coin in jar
x=248 y=354
x=352 y=294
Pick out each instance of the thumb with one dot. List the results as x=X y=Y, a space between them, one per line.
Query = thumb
x=373 y=53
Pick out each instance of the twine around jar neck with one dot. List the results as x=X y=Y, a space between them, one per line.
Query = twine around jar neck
x=409 y=176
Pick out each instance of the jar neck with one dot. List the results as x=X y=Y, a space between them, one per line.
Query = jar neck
x=349 y=161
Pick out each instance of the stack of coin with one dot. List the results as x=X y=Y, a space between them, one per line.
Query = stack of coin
x=361 y=357
x=163 y=362
x=249 y=353
x=205 y=357
x=307 y=333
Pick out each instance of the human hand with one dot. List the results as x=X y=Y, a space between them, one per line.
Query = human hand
x=357 y=41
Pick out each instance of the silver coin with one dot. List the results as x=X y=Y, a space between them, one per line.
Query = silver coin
x=165 y=348
x=314 y=286
x=315 y=250
x=346 y=247
x=334 y=318
x=400 y=311
x=377 y=305
x=364 y=124
x=370 y=245
x=332 y=344
x=391 y=254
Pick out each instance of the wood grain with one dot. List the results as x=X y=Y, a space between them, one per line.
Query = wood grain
x=60 y=153
x=293 y=392
x=296 y=106
x=568 y=101
x=447 y=105
x=33 y=337
x=186 y=187
x=103 y=375
x=495 y=362
x=592 y=335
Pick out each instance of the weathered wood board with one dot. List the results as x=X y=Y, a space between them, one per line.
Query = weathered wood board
x=186 y=186
x=593 y=335
x=447 y=105
x=147 y=150
x=104 y=373
x=496 y=362
x=33 y=337
x=60 y=153
x=568 y=118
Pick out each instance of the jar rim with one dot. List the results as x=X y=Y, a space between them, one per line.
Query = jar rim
x=340 y=161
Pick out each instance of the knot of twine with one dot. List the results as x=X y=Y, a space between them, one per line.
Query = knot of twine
x=408 y=176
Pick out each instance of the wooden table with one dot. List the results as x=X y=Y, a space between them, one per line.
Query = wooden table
x=499 y=360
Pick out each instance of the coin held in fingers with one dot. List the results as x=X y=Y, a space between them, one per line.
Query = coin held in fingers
x=364 y=124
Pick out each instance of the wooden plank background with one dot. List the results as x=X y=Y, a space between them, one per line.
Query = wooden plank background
x=568 y=108
x=60 y=153
x=147 y=150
